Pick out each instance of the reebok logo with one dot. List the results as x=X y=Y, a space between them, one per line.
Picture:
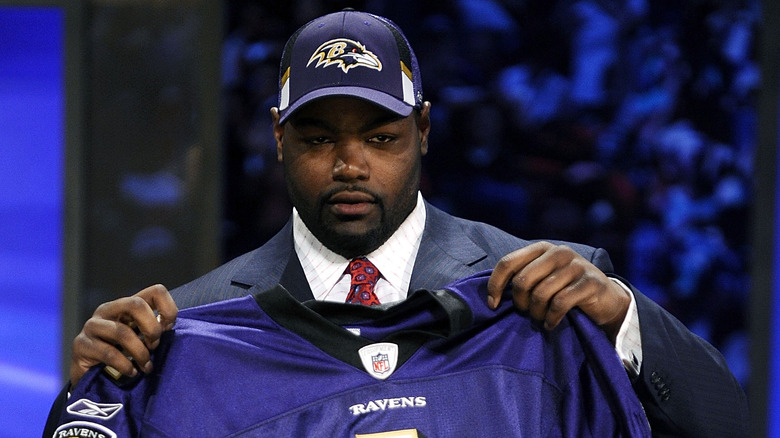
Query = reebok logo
x=88 y=408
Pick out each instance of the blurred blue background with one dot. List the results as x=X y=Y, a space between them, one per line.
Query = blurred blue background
x=32 y=178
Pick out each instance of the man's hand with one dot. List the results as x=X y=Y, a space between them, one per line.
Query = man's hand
x=129 y=324
x=548 y=280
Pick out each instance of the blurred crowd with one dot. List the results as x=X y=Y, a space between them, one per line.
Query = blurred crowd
x=625 y=124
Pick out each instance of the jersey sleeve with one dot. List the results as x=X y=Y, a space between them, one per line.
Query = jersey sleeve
x=101 y=407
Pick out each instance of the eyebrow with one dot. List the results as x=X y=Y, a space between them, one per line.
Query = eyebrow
x=315 y=122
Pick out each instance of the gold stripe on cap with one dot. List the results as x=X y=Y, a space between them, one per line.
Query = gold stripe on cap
x=406 y=70
x=286 y=76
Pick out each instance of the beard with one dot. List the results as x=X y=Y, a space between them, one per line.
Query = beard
x=353 y=244
x=332 y=233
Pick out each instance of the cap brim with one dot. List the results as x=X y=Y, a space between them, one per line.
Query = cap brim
x=377 y=97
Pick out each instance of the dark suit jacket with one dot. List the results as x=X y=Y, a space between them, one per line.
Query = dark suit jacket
x=685 y=385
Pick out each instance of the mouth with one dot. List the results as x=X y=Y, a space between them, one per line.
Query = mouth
x=351 y=203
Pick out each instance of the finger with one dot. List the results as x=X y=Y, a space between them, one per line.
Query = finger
x=124 y=339
x=565 y=267
x=138 y=311
x=93 y=352
x=161 y=301
x=521 y=297
x=542 y=287
x=154 y=311
x=508 y=267
x=131 y=313
x=590 y=290
x=100 y=342
x=540 y=279
x=546 y=291
x=562 y=302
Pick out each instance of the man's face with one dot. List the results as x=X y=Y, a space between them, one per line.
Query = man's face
x=352 y=169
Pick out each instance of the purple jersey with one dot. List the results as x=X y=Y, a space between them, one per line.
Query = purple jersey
x=439 y=364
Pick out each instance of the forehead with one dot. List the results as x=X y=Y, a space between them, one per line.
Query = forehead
x=343 y=110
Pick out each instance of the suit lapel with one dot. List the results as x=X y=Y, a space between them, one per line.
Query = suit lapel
x=294 y=279
x=446 y=253
x=275 y=263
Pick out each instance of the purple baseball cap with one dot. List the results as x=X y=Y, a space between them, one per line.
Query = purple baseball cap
x=349 y=53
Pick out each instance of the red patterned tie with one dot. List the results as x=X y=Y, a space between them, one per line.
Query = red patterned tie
x=364 y=277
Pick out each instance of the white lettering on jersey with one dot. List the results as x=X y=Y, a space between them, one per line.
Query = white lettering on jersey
x=387 y=403
x=83 y=429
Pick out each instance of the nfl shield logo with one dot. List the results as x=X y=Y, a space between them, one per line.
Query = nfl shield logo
x=381 y=363
x=380 y=359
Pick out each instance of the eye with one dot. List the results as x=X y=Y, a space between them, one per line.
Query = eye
x=381 y=138
x=318 y=140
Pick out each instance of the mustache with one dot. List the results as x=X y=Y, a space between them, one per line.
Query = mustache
x=324 y=199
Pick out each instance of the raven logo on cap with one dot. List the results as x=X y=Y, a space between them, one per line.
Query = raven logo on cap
x=346 y=54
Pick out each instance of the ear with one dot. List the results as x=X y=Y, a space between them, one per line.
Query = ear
x=424 y=126
x=278 y=133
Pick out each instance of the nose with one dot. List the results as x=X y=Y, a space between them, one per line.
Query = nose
x=350 y=161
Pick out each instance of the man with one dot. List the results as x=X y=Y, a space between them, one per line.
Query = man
x=351 y=129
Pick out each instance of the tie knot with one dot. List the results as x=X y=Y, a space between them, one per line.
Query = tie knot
x=364 y=276
x=363 y=271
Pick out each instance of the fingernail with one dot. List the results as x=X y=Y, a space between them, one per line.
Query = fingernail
x=148 y=367
x=154 y=344
x=491 y=302
x=134 y=373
